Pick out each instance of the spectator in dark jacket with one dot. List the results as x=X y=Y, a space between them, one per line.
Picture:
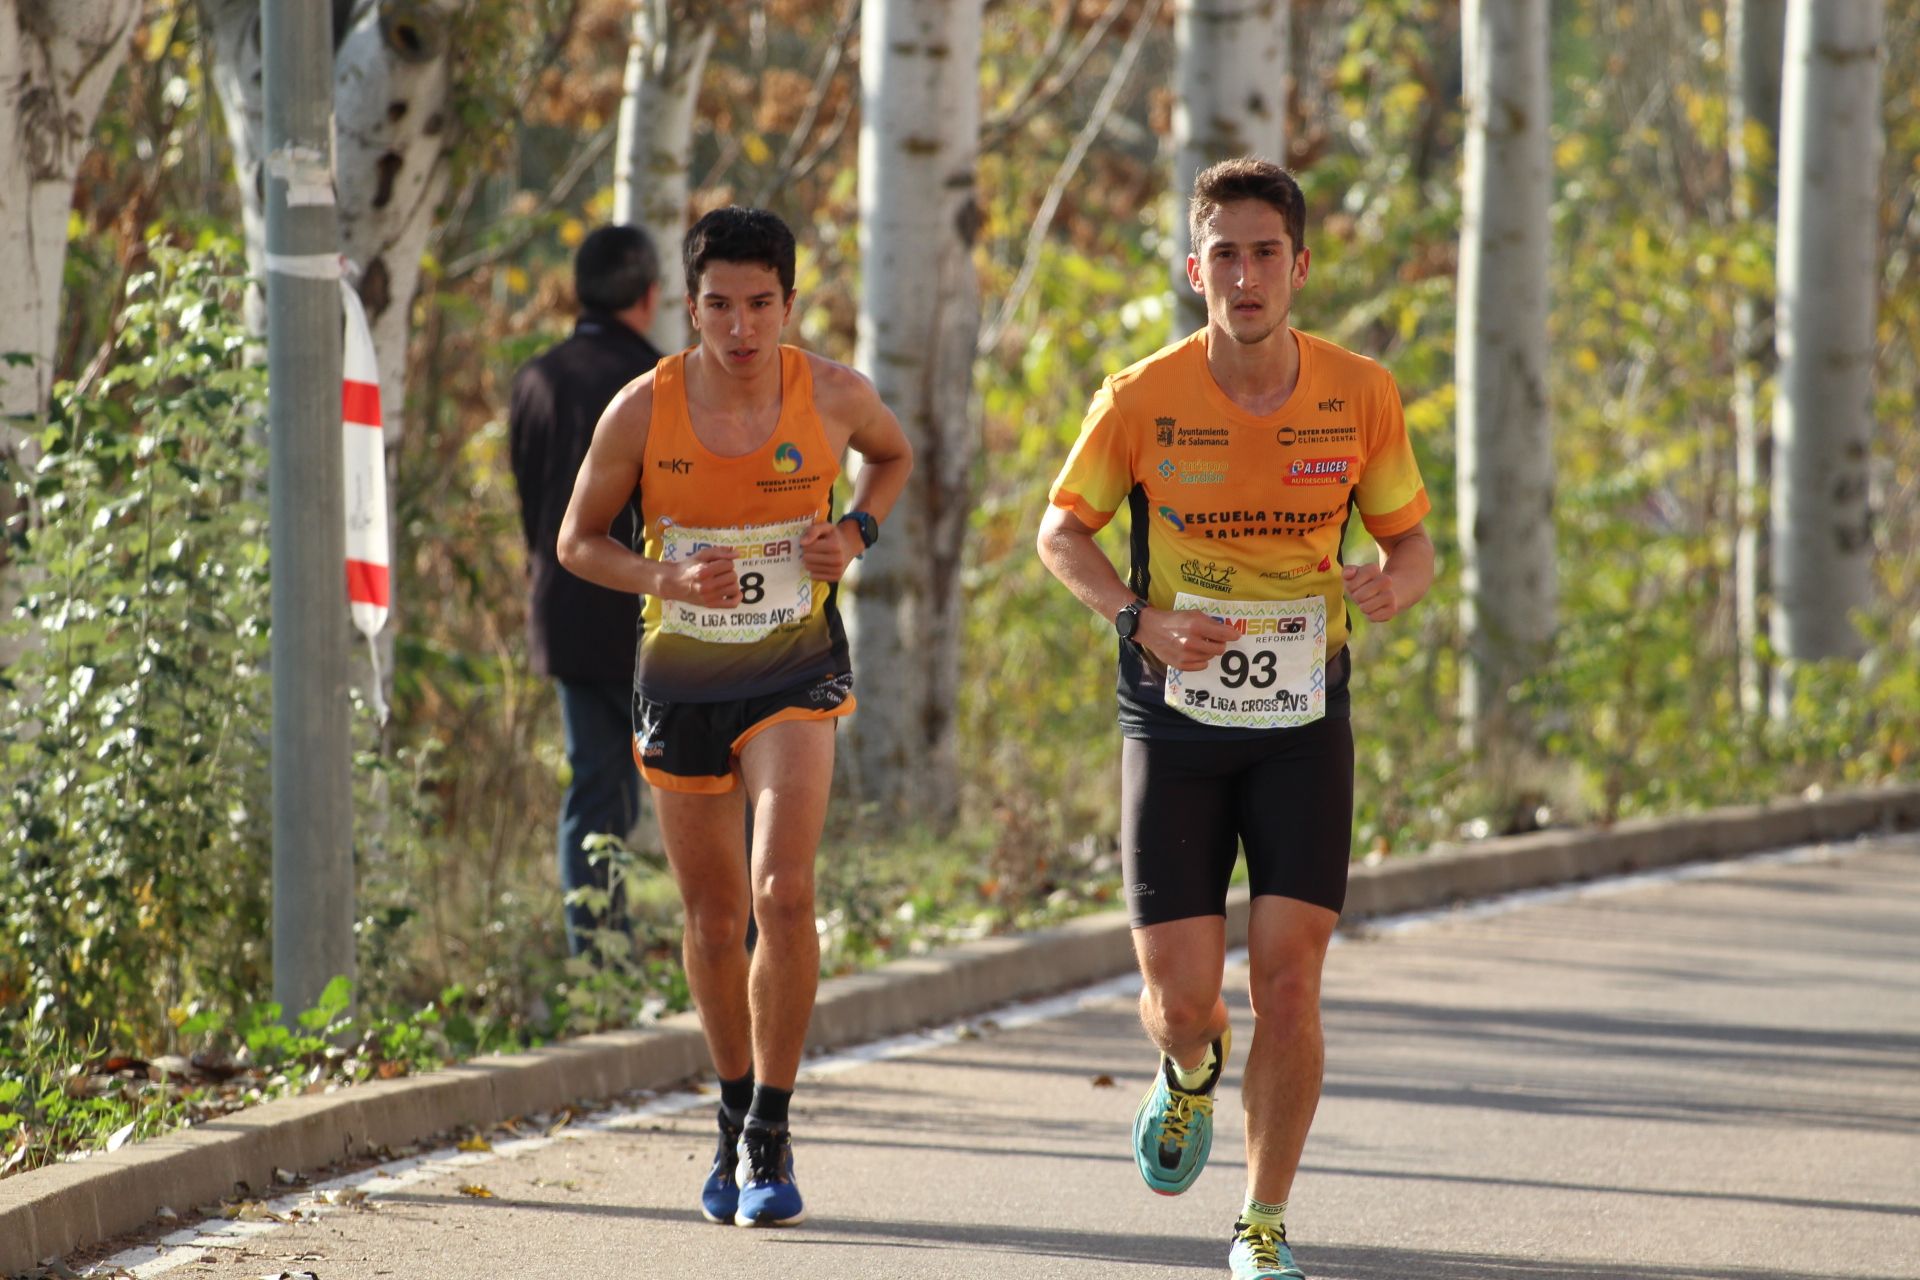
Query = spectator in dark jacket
x=580 y=635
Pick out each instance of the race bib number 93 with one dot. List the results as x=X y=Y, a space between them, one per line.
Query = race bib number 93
x=1273 y=676
x=775 y=590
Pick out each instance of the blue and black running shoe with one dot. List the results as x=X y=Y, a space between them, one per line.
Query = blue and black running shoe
x=720 y=1195
x=768 y=1196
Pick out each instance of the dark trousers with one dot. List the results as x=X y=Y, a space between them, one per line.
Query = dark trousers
x=603 y=798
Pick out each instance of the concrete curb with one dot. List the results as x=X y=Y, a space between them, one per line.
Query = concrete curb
x=55 y=1211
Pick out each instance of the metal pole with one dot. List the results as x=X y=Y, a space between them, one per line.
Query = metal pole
x=312 y=778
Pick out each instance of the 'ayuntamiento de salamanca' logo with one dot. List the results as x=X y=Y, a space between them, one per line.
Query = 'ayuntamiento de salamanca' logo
x=786 y=459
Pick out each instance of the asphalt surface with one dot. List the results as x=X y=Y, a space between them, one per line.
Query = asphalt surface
x=1710 y=1078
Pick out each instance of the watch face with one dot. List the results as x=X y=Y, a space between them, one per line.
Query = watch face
x=1127 y=622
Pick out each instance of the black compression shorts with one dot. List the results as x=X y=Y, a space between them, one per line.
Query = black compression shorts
x=692 y=746
x=1187 y=807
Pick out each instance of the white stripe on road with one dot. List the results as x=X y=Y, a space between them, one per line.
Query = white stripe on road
x=323 y=1198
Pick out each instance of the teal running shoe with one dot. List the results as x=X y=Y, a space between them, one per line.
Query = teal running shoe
x=1173 y=1129
x=768 y=1196
x=1261 y=1253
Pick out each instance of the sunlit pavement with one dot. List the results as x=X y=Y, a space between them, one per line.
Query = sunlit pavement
x=1710 y=1078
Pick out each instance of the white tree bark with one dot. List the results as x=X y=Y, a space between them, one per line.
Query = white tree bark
x=1756 y=32
x=57 y=60
x=919 y=321
x=391 y=81
x=1230 y=99
x=671 y=40
x=391 y=86
x=1504 y=435
x=1832 y=137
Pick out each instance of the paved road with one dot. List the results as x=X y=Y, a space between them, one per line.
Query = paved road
x=1711 y=1079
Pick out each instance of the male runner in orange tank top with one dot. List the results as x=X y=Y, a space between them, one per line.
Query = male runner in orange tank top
x=1243 y=452
x=731 y=449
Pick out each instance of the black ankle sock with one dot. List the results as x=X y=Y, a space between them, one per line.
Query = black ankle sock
x=735 y=1097
x=769 y=1109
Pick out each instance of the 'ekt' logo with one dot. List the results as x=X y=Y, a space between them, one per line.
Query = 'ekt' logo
x=1172 y=517
x=1163 y=432
x=1215 y=577
x=786 y=459
x=1334 y=405
x=679 y=466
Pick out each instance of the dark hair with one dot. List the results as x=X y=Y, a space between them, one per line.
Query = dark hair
x=1247 y=178
x=737 y=234
x=614 y=268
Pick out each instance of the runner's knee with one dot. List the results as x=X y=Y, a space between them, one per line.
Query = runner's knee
x=716 y=929
x=1186 y=1014
x=1286 y=994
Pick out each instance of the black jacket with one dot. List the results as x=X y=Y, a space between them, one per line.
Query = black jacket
x=576 y=631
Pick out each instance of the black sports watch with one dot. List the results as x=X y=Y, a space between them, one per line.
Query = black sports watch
x=1127 y=621
x=868 y=526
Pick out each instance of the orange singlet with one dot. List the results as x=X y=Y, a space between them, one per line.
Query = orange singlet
x=786 y=629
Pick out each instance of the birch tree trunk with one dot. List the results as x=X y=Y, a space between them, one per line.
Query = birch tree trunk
x=391 y=82
x=1756 y=32
x=671 y=40
x=1831 y=144
x=56 y=64
x=919 y=322
x=1504 y=436
x=1230 y=99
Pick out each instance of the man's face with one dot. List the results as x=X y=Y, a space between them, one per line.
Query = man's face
x=1247 y=269
x=739 y=313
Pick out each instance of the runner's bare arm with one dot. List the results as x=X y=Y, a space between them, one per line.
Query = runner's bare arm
x=607 y=481
x=1397 y=582
x=847 y=400
x=1186 y=639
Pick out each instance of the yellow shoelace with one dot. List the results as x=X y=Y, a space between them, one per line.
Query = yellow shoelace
x=1264 y=1243
x=1178 y=1116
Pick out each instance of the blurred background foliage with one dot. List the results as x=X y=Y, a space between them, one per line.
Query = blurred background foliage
x=136 y=919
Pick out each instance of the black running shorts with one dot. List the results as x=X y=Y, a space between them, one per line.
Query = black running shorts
x=1186 y=808
x=691 y=746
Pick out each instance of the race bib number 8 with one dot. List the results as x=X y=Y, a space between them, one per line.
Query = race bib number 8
x=775 y=590
x=1272 y=677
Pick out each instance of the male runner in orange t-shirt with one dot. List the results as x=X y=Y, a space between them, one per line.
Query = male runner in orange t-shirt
x=731 y=450
x=1241 y=452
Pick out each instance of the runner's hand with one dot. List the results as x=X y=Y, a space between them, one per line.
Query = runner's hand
x=1369 y=587
x=707 y=579
x=1186 y=638
x=824 y=552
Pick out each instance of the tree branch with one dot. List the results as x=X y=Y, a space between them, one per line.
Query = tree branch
x=456 y=219
x=999 y=126
x=1043 y=221
x=562 y=188
x=822 y=80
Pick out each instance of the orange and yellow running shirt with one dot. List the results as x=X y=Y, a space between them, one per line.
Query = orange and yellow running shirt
x=786 y=630
x=1233 y=506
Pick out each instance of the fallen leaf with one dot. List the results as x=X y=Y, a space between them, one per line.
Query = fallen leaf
x=477 y=1191
x=390 y=1070
x=1103 y=1081
x=478 y=1142
x=119 y=1137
